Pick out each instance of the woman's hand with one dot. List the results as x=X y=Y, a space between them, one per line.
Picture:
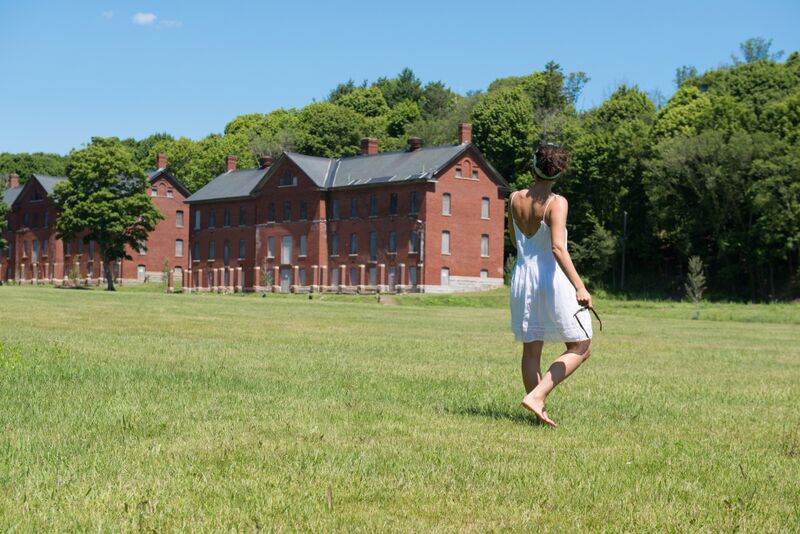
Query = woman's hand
x=584 y=298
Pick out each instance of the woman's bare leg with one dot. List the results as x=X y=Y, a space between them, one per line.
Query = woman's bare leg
x=531 y=364
x=576 y=353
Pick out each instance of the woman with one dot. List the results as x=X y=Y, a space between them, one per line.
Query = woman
x=548 y=300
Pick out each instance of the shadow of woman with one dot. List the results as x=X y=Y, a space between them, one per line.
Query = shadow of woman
x=500 y=413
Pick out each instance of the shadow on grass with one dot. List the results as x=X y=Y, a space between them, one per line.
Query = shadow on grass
x=501 y=413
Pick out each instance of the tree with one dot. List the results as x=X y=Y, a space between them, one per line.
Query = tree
x=25 y=165
x=405 y=87
x=503 y=130
x=757 y=49
x=104 y=200
x=695 y=283
x=368 y=102
x=683 y=74
x=329 y=130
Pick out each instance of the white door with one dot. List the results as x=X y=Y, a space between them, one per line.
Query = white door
x=140 y=273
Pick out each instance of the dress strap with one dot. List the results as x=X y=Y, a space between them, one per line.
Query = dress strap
x=547 y=205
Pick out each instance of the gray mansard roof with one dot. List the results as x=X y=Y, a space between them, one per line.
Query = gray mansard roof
x=329 y=173
x=11 y=194
x=49 y=182
x=230 y=185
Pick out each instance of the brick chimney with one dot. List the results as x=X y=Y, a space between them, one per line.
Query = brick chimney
x=161 y=161
x=464 y=133
x=414 y=143
x=13 y=180
x=369 y=146
x=265 y=162
x=230 y=163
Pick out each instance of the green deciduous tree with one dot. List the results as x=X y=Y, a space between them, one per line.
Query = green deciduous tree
x=27 y=164
x=503 y=130
x=105 y=201
x=329 y=130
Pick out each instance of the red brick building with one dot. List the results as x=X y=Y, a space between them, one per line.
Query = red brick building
x=426 y=219
x=35 y=255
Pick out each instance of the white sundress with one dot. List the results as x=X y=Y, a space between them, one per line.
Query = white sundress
x=543 y=303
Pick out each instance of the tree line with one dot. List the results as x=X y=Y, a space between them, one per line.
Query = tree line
x=713 y=172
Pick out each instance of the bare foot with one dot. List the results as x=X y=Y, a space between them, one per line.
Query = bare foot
x=536 y=406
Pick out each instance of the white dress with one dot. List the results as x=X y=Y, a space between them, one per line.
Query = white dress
x=543 y=303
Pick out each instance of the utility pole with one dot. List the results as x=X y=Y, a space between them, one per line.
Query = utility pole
x=624 y=240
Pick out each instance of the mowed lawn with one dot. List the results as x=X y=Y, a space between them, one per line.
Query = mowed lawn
x=144 y=411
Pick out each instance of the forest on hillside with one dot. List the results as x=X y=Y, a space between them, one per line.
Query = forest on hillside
x=713 y=172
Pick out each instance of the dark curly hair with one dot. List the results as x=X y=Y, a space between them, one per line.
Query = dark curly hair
x=551 y=160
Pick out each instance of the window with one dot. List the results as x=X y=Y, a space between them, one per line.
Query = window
x=484 y=273
x=242 y=216
x=141 y=248
x=413 y=242
x=242 y=249
x=154 y=192
x=226 y=253
x=179 y=248
x=484 y=208
x=270 y=247
x=445 y=242
x=25 y=220
x=227 y=219
x=46 y=217
x=212 y=218
x=67 y=248
x=286 y=249
x=287 y=180
x=474 y=174
x=334 y=276
x=334 y=244
x=413 y=203
x=485 y=246
x=373 y=276
x=287 y=211
x=170 y=194
x=354 y=276
x=35 y=246
x=211 y=252
x=303 y=245
x=196 y=251
x=392 y=277
x=301 y=272
x=80 y=246
x=446 y=204
x=412 y=276
x=198 y=216
x=445 y=276
x=458 y=172
x=335 y=209
x=303 y=210
x=271 y=212
x=353 y=244
x=44 y=247
x=178 y=219
x=392 y=242
x=353 y=207
x=373 y=205
x=393 y=204
x=373 y=246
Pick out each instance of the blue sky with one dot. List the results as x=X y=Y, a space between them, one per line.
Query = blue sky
x=123 y=68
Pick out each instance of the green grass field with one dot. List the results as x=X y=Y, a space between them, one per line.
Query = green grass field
x=144 y=411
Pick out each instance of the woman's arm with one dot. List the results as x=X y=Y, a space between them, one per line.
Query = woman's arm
x=558 y=235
